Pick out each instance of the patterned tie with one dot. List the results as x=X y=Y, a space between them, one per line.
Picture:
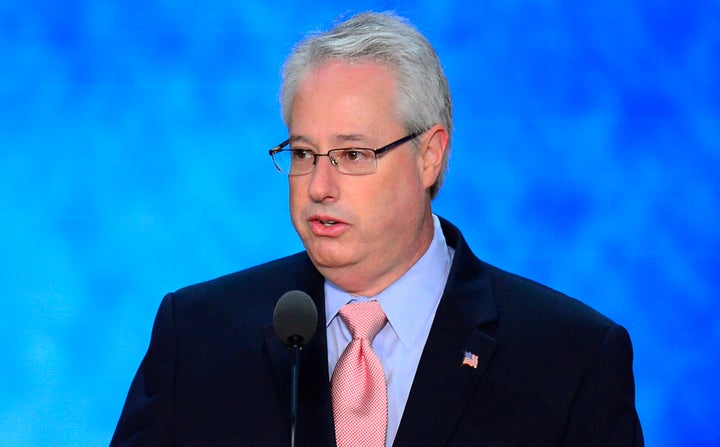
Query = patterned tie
x=359 y=393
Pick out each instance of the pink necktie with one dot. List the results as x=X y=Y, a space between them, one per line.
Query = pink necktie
x=359 y=393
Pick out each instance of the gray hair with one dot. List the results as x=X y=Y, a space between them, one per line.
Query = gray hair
x=423 y=96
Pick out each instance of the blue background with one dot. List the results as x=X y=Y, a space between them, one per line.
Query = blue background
x=133 y=161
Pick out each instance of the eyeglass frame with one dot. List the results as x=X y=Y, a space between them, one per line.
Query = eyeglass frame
x=376 y=152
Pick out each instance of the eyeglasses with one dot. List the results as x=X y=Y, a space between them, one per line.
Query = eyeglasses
x=350 y=160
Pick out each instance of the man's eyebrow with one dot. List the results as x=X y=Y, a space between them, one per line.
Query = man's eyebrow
x=340 y=139
x=350 y=137
x=299 y=138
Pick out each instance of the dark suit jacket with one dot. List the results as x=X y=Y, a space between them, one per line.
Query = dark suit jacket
x=551 y=371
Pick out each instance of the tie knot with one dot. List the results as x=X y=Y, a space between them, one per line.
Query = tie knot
x=364 y=320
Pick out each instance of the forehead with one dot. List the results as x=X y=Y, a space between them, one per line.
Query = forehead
x=344 y=98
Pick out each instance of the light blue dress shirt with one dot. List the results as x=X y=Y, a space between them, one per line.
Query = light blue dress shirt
x=410 y=304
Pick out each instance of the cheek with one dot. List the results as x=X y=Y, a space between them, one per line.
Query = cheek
x=296 y=203
x=297 y=189
x=398 y=195
x=405 y=185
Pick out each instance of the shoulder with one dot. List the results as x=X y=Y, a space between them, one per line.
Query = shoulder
x=519 y=305
x=235 y=305
x=257 y=278
x=540 y=327
x=253 y=289
x=535 y=302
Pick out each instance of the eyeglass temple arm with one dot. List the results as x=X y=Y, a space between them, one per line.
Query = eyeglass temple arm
x=279 y=147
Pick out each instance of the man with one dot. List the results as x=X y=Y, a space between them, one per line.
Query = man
x=466 y=354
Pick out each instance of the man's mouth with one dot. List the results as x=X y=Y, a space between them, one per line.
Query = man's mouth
x=325 y=226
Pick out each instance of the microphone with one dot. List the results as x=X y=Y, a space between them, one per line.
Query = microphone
x=295 y=318
x=294 y=322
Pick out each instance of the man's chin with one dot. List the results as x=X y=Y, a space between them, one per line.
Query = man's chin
x=330 y=261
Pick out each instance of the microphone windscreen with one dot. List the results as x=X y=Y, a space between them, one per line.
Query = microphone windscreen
x=295 y=314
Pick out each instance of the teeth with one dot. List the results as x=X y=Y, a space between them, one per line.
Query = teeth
x=328 y=223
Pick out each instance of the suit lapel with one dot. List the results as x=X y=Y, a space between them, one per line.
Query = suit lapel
x=315 y=422
x=314 y=425
x=463 y=323
x=442 y=384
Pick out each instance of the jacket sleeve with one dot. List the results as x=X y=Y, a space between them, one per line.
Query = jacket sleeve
x=603 y=412
x=147 y=417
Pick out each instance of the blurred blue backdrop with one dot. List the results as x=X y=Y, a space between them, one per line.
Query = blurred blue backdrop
x=133 y=161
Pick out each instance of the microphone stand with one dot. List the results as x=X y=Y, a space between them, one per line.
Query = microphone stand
x=295 y=348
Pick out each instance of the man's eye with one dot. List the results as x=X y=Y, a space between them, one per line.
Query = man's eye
x=302 y=154
x=354 y=155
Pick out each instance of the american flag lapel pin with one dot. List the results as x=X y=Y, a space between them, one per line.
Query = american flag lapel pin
x=470 y=359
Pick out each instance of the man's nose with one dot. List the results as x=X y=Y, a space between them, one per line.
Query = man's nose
x=323 y=179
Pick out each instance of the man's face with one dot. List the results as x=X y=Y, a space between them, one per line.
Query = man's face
x=362 y=232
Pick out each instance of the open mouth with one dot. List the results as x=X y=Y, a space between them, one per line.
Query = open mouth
x=325 y=226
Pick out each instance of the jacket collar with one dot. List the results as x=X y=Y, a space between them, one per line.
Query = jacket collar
x=464 y=322
x=315 y=422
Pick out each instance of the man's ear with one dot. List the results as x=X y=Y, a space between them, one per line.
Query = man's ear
x=432 y=150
